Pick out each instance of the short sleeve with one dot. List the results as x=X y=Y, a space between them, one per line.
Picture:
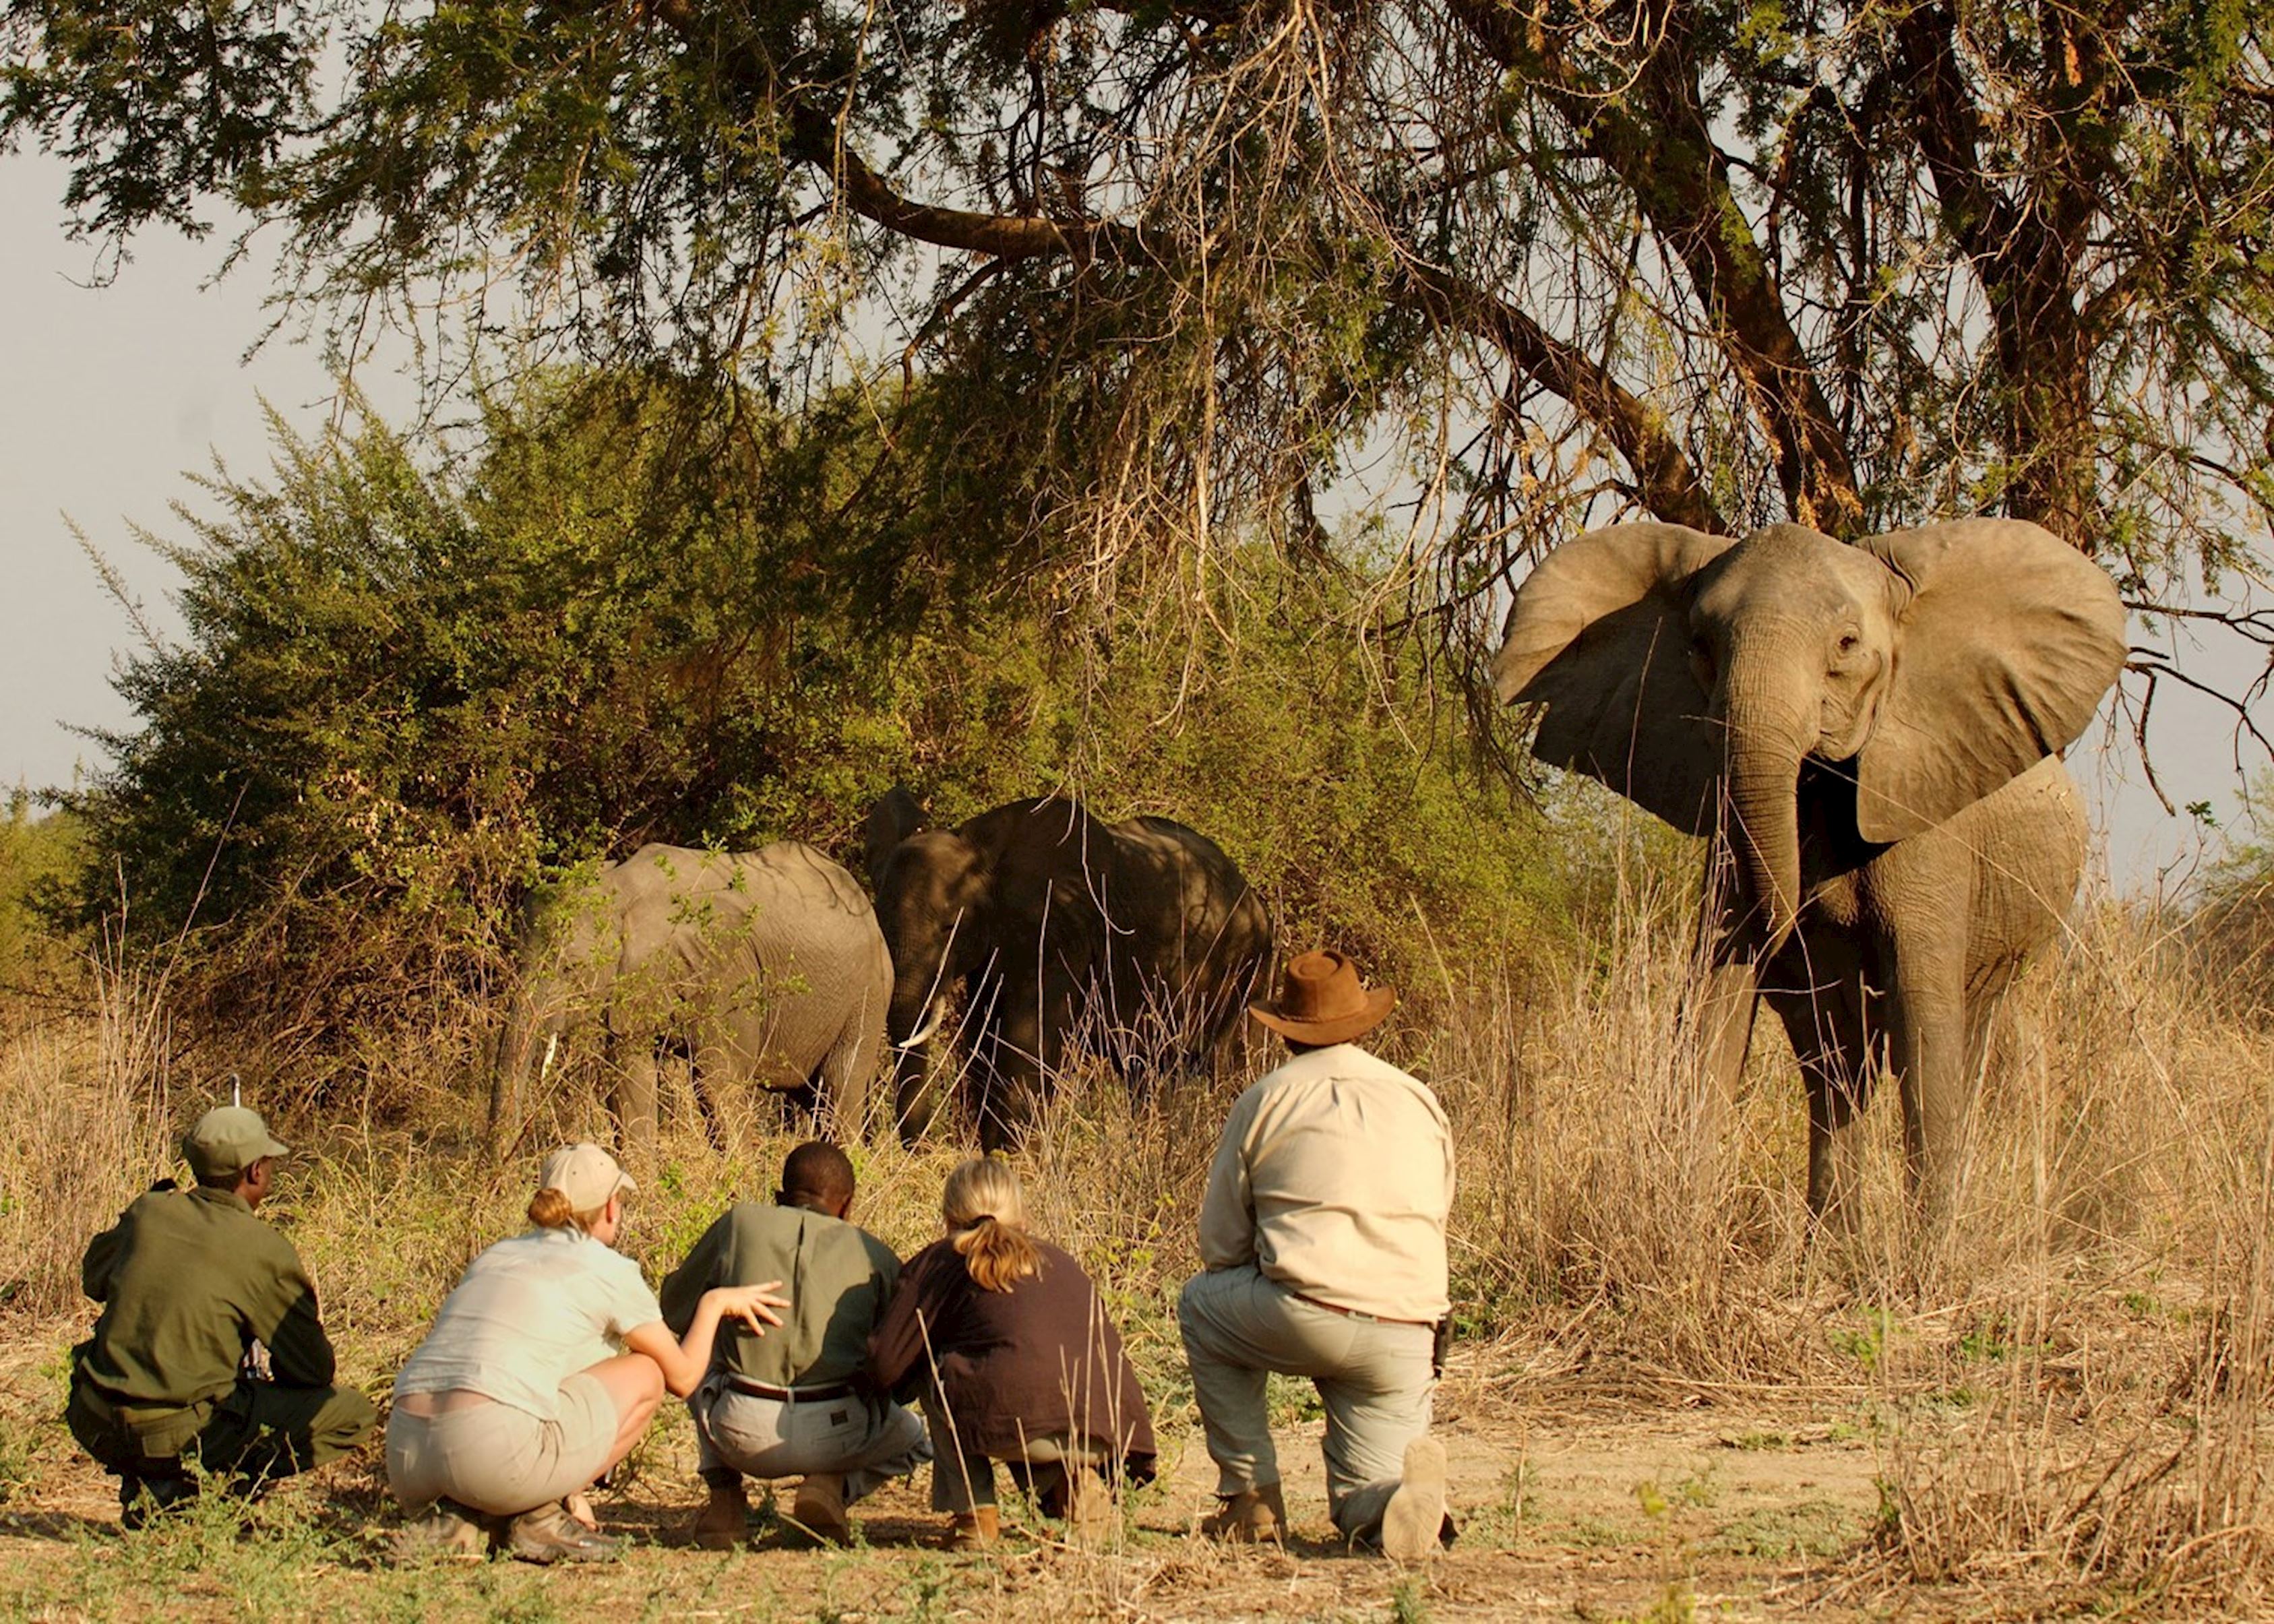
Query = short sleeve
x=630 y=1303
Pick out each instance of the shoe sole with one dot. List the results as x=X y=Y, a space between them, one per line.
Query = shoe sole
x=1415 y=1517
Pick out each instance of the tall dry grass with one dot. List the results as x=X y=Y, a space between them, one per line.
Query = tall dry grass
x=2072 y=1390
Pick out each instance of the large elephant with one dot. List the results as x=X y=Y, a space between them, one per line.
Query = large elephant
x=1870 y=735
x=1140 y=934
x=763 y=966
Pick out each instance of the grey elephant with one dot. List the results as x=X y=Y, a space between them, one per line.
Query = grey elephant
x=764 y=966
x=1871 y=736
x=1141 y=936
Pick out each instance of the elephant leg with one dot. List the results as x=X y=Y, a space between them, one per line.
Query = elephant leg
x=632 y=1067
x=840 y=1084
x=1029 y=1046
x=1932 y=1052
x=1822 y=1008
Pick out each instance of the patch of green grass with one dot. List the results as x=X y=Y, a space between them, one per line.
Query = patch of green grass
x=1758 y=1440
x=1816 y=1528
x=1409 y=1602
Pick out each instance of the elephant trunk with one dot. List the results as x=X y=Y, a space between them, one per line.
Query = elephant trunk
x=1768 y=743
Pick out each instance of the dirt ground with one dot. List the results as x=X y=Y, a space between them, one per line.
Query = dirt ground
x=1738 y=1507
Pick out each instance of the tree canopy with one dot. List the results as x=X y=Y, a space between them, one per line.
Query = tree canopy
x=1516 y=261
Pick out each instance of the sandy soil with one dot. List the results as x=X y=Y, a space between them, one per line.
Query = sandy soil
x=1729 y=1506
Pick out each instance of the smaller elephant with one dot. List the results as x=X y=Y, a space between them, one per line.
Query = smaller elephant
x=763 y=966
x=1140 y=936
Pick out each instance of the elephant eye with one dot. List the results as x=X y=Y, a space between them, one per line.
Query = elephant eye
x=1847 y=642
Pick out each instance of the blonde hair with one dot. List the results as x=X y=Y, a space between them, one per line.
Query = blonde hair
x=986 y=1219
x=549 y=1209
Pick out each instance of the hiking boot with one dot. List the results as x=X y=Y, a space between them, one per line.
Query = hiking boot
x=972 y=1531
x=1087 y=1508
x=819 y=1507
x=1414 y=1522
x=142 y=1499
x=549 y=1535
x=1252 y=1516
x=725 y=1517
x=449 y=1532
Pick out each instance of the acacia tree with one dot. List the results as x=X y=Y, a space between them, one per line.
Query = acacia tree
x=1852 y=264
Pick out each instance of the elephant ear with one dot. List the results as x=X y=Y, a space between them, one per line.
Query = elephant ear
x=1598 y=638
x=2009 y=641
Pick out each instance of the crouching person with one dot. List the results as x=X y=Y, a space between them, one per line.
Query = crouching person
x=796 y=1402
x=543 y=1368
x=1018 y=1363
x=190 y=1280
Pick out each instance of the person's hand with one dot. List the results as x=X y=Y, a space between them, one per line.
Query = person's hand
x=755 y=1306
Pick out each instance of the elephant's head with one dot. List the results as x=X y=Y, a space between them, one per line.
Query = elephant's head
x=1928 y=666
x=931 y=895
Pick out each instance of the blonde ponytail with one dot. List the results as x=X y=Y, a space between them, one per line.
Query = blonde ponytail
x=986 y=1219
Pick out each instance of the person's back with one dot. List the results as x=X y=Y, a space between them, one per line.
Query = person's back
x=189 y=1279
x=837 y=1276
x=1347 y=1168
x=529 y=1310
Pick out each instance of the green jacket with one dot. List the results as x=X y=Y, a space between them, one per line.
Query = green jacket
x=836 y=1275
x=189 y=1279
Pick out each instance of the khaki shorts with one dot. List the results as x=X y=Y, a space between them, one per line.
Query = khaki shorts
x=495 y=1458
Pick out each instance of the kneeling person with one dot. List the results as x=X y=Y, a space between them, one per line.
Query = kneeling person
x=790 y=1404
x=190 y=1280
x=1323 y=1237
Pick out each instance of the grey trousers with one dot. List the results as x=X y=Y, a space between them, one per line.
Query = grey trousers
x=1374 y=1378
x=868 y=1439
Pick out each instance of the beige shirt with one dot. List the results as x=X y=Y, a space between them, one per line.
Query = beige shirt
x=1334 y=1176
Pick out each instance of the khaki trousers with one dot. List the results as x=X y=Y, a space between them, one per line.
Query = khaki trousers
x=1374 y=1377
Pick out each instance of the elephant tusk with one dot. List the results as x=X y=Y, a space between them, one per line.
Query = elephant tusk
x=552 y=1047
x=921 y=1035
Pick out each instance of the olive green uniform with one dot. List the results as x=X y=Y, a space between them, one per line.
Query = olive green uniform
x=189 y=1281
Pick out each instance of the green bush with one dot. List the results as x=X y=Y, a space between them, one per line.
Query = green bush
x=412 y=686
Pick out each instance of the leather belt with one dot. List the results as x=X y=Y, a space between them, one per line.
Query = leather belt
x=1357 y=1313
x=790 y=1395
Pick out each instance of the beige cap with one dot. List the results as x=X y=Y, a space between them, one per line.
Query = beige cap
x=226 y=1140
x=587 y=1174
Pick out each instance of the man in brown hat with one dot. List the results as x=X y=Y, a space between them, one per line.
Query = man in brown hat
x=1324 y=1239
x=190 y=1280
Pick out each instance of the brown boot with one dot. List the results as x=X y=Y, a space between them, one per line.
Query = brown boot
x=1252 y=1516
x=819 y=1508
x=1088 y=1508
x=725 y=1517
x=972 y=1531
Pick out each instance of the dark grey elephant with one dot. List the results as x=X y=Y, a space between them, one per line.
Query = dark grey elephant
x=1870 y=734
x=1140 y=934
x=764 y=967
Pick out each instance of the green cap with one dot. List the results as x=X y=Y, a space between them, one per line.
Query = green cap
x=226 y=1140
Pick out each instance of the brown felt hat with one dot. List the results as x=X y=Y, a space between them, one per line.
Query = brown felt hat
x=1320 y=1001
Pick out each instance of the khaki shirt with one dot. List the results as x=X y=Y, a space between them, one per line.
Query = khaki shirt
x=189 y=1279
x=836 y=1275
x=1334 y=1176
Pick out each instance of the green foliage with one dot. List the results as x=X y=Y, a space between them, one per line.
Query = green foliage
x=42 y=860
x=412 y=688
x=1854 y=265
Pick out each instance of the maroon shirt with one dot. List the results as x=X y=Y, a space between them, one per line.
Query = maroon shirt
x=1039 y=1360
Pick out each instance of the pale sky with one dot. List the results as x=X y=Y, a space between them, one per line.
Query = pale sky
x=114 y=393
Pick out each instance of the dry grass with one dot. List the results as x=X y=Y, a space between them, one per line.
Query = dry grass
x=2068 y=1400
